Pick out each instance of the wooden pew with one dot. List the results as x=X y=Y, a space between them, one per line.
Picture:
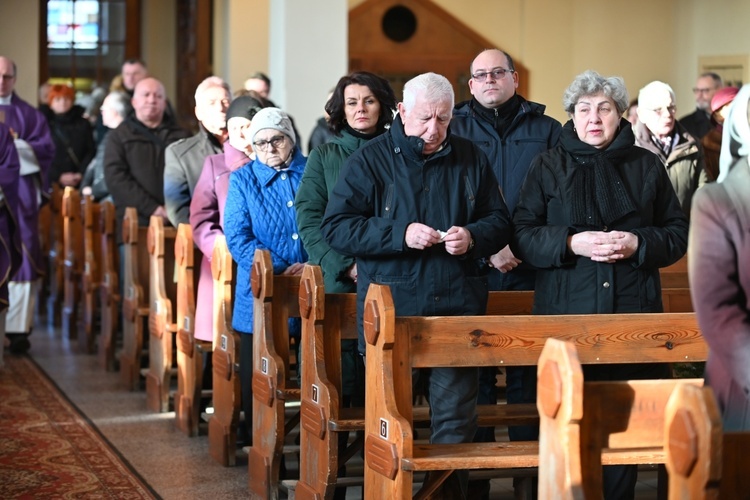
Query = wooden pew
x=91 y=272
x=161 y=319
x=222 y=427
x=330 y=318
x=327 y=319
x=135 y=307
x=72 y=264
x=703 y=461
x=55 y=266
x=189 y=350
x=585 y=425
x=109 y=287
x=396 y=345
x=676 y=275
x=45 y=228
x=276 y=300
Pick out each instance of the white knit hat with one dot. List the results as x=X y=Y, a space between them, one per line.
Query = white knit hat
x=275 y=119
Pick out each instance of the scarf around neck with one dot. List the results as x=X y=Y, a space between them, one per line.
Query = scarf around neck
x=599 y=194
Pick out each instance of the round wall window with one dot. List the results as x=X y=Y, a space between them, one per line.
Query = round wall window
x=399 y=23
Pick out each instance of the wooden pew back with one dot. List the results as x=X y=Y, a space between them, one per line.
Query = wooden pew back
x=189 y=351
x=135 y=306
x=676 y=275
x=276 y=300
x=91 y=272
x=222 y=427
x=161 y=319
x=55 y=258
x=327 y=319
x=109 y=286
x=72 y=264
x=400 y=344
x=703 y=461
x=585 y=425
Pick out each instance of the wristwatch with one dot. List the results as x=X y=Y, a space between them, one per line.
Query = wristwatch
x=471 y=246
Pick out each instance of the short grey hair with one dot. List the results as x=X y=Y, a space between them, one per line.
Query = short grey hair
x=120 y=102
x=591 y=83
x=434 y=88
x=653 y=87
x=211 y=82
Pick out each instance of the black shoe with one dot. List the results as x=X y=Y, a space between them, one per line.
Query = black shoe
x=19 y=343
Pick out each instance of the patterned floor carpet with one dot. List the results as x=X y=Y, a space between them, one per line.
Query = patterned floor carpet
x=49 y=449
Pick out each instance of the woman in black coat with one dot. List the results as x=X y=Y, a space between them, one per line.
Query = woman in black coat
x=598 y=217
x=73 y=136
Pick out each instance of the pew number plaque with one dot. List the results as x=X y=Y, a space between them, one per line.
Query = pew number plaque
x=264 y=366
x=314 y=393
x=383 y=428
x=223 y=343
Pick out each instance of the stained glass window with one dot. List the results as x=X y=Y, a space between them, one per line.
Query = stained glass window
x=73 y=24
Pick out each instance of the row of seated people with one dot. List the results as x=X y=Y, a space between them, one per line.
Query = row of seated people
x=283 y=287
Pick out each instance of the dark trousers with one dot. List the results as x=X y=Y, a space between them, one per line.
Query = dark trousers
x=245 y=430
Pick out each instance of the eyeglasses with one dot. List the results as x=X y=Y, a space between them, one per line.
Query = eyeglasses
x=275 y=142
x=696 y=90
x=669 y=109
x=7 y=77
x=496 y=74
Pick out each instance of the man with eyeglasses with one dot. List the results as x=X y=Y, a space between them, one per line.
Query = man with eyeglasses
x=658 y=131
x=36 y=149
x=511 y=131
x=698 y=123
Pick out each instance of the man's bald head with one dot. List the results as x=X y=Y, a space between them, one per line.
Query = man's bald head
x=7 y=76
x=149 y=101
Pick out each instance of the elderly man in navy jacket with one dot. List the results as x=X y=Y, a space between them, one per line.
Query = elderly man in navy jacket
x=420 y=209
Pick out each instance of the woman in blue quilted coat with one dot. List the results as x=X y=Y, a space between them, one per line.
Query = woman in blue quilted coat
x=260 y=213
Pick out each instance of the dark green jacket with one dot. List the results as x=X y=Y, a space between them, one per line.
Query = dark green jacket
x=321 y=174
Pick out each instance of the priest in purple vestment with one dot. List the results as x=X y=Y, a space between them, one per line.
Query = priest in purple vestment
x=10 y=243
x=36 y=149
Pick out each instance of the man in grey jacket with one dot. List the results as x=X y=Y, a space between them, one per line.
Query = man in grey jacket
x=183 y=160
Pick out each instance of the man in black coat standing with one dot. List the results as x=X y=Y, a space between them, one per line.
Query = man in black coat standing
x=420 y=209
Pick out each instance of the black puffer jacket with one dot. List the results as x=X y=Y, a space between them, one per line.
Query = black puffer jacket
x=569 y=284
x=386 y=185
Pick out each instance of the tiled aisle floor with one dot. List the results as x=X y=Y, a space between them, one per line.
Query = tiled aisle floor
x=176 y=467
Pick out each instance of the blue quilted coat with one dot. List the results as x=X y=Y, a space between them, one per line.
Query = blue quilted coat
x=260 y=213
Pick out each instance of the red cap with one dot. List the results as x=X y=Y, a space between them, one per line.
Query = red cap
x=722 y=97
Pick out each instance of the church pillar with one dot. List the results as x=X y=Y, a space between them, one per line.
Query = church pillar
x=307 y=55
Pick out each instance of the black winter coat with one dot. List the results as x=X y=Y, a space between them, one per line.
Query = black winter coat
x=74 y=141
x=134 y=166
x=386 y=185
x=570 y=284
